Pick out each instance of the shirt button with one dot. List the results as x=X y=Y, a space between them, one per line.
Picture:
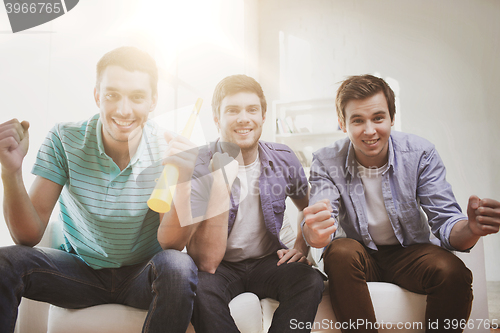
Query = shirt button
x=112 y=184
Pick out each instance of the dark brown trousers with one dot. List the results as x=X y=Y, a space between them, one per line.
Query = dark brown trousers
x=423 y=268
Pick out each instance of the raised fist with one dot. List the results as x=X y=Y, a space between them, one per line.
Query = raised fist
x=14 y=143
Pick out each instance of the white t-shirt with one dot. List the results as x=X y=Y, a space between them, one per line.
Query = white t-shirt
x=249 y=237
x=379 y=225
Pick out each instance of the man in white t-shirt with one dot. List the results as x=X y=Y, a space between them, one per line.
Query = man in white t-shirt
x=238 y=249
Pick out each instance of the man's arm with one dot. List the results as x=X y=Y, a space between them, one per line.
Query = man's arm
x=300 y=248
x=176 y=225
x=26 y=215
x=455 y=230
x=171 y=233
x=318 y=224
x=483 y=219
x=207 y=245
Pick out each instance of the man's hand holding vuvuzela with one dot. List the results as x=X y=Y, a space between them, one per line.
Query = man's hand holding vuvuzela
x=319 y=224
x=182 y=153
x=14 y=142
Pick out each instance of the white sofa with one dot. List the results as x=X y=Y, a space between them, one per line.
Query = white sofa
x=392 y=304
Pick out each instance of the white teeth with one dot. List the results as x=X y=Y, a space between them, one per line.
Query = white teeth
x=370 y=142
x=123 y=123
x=242 y=131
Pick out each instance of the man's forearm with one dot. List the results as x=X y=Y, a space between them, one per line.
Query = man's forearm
x=300 y=243
x=208 y=244
x=461 y=236
x=176 y=225
x=22 y=219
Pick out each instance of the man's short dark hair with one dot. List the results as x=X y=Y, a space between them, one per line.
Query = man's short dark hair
x=131 y=59
x=234 y=84
x=360 y=87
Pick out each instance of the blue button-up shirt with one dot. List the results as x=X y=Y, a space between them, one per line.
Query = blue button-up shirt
x=413 y=184
x=281 y=175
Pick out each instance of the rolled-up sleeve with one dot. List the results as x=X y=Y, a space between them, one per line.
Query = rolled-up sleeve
x=322 y=185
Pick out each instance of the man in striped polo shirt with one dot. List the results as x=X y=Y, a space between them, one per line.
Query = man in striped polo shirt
x=97 y=169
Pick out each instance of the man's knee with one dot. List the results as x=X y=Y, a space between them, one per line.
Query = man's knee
x=303 y=279
x=175 y=265
x=450 y=270
x=342 y=253
x=315 y=283
x=308 y=275
x=12 y=257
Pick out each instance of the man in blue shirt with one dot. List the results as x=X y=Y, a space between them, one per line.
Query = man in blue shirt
x=113 y=249
x=238 y=248
x=385 y=189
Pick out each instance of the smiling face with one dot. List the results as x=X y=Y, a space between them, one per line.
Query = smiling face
x=241 y=121
x=125 y=100
x=368 y=125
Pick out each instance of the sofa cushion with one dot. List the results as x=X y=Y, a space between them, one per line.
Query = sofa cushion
x=392 y=304
x=106 y=318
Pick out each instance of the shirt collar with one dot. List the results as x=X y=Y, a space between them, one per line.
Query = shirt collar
x=265 y=160
x=350 y=162
x=391 y=153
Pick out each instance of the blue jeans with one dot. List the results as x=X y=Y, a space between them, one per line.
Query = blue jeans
x=165 y=285
x=297 y=286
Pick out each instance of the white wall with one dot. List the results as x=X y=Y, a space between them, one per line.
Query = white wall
x=47 y=74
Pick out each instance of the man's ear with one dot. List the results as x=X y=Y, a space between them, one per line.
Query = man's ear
x=216 y=121
x=154 y=102
x=341 y=125
x=392 y=121
x=97 y=98
x=264 y=117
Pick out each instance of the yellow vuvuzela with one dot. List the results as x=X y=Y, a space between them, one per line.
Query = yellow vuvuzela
x=161 y=199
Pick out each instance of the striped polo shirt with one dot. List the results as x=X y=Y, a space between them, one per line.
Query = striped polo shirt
x=106 y=220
